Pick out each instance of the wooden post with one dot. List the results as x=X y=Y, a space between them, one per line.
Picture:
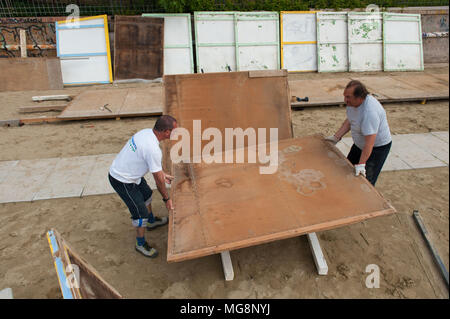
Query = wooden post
x=319 y=259
x=23 y=43
x=227 y=265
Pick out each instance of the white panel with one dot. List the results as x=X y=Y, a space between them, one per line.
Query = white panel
x=258 y=58
x=332 y=27
x=365 y=42
x=85 y=69
x=75 y=46
x=299 y=27
x=215 y=31
x=176 y=30
x=333 y=57
x=402 y=57
x=216 y=59
x=81 y=41
x=332 y=42
x=365 y=28
x=366 y=57
x=257 y=31
x=400 y=31
x=300 y=57
x=177 y=61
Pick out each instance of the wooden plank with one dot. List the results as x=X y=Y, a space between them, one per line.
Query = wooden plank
x=87 y=284
x=22 y=74
x=267 y=73
x=41 y=108
x=51 y=98
x=138 y=47
x=220 y=207
x=319 y=259
x=227 y=265
x=23 y=43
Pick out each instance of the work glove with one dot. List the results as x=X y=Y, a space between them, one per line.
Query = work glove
x=360 y=169
x=332 y=139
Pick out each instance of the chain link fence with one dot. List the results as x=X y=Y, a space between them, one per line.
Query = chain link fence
x=51 y=8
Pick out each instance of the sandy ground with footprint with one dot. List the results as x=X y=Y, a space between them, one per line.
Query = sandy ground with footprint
x=99 y=227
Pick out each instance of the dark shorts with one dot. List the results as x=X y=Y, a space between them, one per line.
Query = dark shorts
x=375 y=162
x=135 y=196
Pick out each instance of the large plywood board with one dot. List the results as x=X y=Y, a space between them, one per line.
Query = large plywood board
x=110 y=103
x=138 y=47
x=298 y=41
x=178 y=55
x=221 y=207
x=83 y=47
x=332 y=41
x=22 y=74
x=402 y=42
x=244 y=100
x=365 y=41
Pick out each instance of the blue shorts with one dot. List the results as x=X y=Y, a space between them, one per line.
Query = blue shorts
x=136 y=197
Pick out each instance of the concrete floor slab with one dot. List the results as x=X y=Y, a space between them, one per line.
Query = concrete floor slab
x=68 y=178
x=26 y=179
x=442 y=135
x=98 y=182
x=432 y=144
x=5 y=168
x=412 y=154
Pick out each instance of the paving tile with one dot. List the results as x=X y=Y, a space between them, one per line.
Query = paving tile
x=432 y=144
x=442 y=135
x=412 y=154
x=5 y=168
x=26 y=179
x=68 y=178
x=98 y=182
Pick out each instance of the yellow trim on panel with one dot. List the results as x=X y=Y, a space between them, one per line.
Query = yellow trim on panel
x=281 y=39
x=288 y=12
x=108 y=49
x=83 y=19
x=301 y=42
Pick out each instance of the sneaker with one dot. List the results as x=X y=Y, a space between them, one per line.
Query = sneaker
x=146 y=250
x=159 y=221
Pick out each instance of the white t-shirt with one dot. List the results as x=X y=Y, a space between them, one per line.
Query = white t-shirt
x=367 y=119
x=139 y=155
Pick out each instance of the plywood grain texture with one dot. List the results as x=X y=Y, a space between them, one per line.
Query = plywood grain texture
x=221 y=207
x=23 y=74
x=138 y=47
x=249 y=99
x=110 y=103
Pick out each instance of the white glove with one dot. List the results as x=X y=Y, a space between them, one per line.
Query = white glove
x=360 y=169
x=332 y=139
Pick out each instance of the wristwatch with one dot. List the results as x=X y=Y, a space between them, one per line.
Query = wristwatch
x=166 y=199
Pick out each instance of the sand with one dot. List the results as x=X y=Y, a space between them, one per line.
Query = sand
x=99 y=227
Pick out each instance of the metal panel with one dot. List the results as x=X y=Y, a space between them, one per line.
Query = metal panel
x=402 y=40
x=298 y=41
x=365 y=41
x=254 y=36
x=178 y=56
x=83 y=47
x=332 y=51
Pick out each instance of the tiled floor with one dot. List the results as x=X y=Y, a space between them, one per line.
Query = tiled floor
x=29 y=180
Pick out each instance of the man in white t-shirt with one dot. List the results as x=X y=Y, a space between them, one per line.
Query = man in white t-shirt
x=366 y=118
x=140 y=155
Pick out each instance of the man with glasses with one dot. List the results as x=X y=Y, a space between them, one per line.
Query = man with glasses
x=140 y=155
